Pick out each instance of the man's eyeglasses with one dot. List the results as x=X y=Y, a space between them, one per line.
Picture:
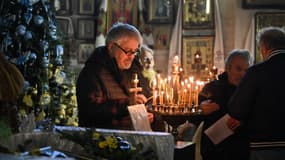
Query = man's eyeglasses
x=128 y=53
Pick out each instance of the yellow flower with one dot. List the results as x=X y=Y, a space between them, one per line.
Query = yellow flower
x=112 y=142
x=102 y=144
x=96 y=135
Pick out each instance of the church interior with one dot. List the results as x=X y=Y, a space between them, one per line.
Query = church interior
x=44 y=45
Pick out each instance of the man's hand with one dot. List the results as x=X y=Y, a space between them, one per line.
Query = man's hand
x=209 y=107
x=150 y=117
x=140 y=99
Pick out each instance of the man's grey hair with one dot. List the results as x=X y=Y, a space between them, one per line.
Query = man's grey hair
x=238 y=53
x=122 y=30
x=271 y=38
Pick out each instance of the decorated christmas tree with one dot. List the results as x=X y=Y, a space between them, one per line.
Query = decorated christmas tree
x=31 y=40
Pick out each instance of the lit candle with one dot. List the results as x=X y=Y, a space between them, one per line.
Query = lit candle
x=154 y=93
x=191 y=79
x=183 y=93
x=154 y=98
x=189 y=94
x=185 y=96
x=171 y=96
x=196 y=95
x=161 y=98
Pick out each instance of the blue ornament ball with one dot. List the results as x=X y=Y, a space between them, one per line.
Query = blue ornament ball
x=21 y=30
x=59 y=50
x=52 y=31
x=44 y=45
x=45 y=62
x=7 y=40
x=38 y=20
x=28 y=35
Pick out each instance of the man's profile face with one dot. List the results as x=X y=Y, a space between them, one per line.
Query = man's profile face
x=237 y=69
x=129 y=45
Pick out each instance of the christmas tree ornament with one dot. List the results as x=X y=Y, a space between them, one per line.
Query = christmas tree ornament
x=27 y=100
x=28 y=15
x=45 y=62
x=44 y=45
x=28 y=35
x=38 y=20
x=59 y=76
x=34 y=90
x=41 y=116
x=28 y=2
x=7 y=41
x=45 y=99
x=21 y=30
x=52 y=32
x=59 y=50
x=31 y=59
x=21 y=60
x=59 y=61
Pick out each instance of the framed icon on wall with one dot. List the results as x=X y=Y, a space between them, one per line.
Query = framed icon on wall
x=198 y=14
x=120 y=11
x=87 y=7
x=197 y=57
x=61 y=7
x=86 y=29
x=85 y=50
x=160 y=11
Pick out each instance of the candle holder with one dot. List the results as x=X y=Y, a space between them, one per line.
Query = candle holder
x=176 y=97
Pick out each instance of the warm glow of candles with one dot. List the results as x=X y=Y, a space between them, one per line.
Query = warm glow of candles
x=184 y=96
x=189 y=86
x=161 y=98
x=154 y=97
x=196 y=95
x=177 y=91
x=154 y=92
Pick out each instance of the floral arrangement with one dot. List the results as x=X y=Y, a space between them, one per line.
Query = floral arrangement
x=109 y=147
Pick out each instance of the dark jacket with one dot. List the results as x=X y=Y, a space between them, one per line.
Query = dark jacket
x=101 y=93
x=258 y=101
x=220 y=92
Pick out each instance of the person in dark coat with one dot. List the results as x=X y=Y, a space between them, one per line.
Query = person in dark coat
x=103 y=84
x=257 y=103
x=214 y=98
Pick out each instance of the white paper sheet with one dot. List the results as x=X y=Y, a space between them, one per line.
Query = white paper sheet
x=219 y=130
x=139 y=117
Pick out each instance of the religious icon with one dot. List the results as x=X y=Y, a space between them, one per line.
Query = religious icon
x=124 y=11
x=86 y=29
x=198 y=14
x=85 y=50
x=160 y=11
x=86 y=7
x=197 y=55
